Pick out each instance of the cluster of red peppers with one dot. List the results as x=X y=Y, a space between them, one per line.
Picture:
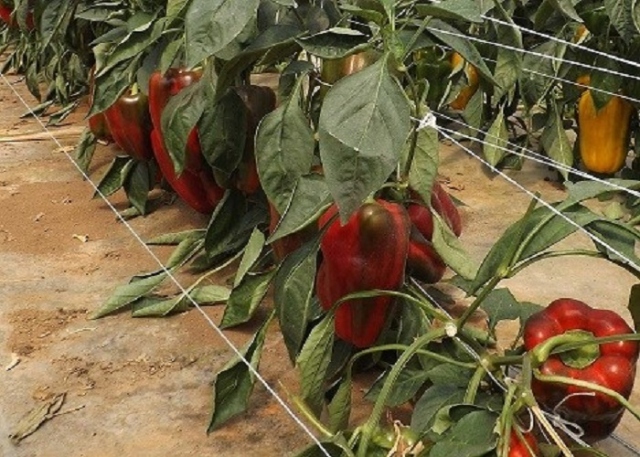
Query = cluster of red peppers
x=379 y=243
x=134 y=123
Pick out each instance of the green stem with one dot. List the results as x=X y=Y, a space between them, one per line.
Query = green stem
x=505 y=360
x=549 y=255
x=381 y=401
x=479 y=299
x=313 y=420
x=414 y=134
x=570 y=346
x=474 y=385
x=588 y=385
x=542 y=351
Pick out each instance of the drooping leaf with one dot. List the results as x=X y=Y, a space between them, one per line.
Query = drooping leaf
x=363 y=125
x=434 y=398
x=128 y=293
x=424 y=168
x=234 y=384
x=115 y=176
x=451 y=250
x=339 y=408
x=137 y=186
x=245 y=299
x=251 y=254
x=555 y=141
x=471 y=436
x=85 y=149
x=497 y=140
x=407 y=385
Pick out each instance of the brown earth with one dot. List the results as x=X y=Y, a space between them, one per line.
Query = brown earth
x=143 y=386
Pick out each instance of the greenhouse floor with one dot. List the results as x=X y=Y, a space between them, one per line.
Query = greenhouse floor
x=143 y=386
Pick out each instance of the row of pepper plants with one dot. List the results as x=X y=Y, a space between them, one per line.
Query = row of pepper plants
x=325 y=192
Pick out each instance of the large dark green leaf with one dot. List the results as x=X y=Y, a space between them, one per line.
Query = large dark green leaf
x=245 y=299
x=294 y=290
x=137 y=186
x=313 y=362
x=335 y=43
x=555 y=141
x=210 y=25
x=85 y=149
x=363 y=125
x=471 y=436
x=424 y=168
x=234 y=384
x=464 y=10
x=284 y=150
x=405 y=387
x=621 y=16
x=115 y=176
x=434 y=399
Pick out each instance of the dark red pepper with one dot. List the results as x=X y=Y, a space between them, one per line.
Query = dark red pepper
x=259 y=101
x=611 y=365
x=368 y=252
x=130 y=126
x=5 y=13
x=423 y=262
x=97 y=122
x=196 y=185
x=518 y=447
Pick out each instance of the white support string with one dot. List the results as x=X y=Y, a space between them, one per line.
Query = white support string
x=560 y=40
x=531 y=155
x=534 y=53
x=183 y=290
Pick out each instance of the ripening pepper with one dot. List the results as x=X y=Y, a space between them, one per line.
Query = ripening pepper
x=518 y=447
x=5 y=13
x=259 y=101
x=334 y=70
x=368 y=252
x=129 y=124
x=603 y=136
x=461 y=101
x=611 y=365
x=196 y=184
x=423 y=262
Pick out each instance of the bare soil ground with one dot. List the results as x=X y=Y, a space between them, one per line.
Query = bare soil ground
x=143 y=386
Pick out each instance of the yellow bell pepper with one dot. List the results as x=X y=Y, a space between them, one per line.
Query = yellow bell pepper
x=460 y=102
x=603 y=136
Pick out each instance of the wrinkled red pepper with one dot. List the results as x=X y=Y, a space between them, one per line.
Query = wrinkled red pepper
x=130 y=126
x=259 y=101
x=423 y=262
x=611 y=365
x=196 y=185
x=368 y=252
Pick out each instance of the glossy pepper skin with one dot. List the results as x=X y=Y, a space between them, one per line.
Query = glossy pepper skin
x=423 y=262
x=129 y=124
x=603 y=136
x=612 y=365
x=195 y=185
x=368 y=252
x=518 y=448
x=259 y=101
x=461 y=101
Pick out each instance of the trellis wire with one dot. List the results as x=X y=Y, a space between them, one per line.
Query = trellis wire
x=183 y=290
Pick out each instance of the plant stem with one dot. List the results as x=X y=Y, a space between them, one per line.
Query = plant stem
x=474 y=385
x=479 y=299
x=306 y=412
x=549 y=255
x=414 y=134
x=588 y=385
x=381 y=401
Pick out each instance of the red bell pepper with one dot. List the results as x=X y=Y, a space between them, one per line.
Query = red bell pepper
x=423 y=262
x=259 y=101
x=5 y=13
x=98 y=122
x=129 y=123
x=611 y=365
x=368 y=252
x=518 y=447
x=196 y=185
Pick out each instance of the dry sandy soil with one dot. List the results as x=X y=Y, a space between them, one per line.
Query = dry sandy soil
x=143 y=386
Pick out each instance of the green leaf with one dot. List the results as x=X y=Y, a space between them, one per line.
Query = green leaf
x=209 y=294
x=462 y=10
x=128 y=293
x=566 y=7
x=223 y=227
x=497 y=140
x=555 y=141
x=284 y=150
x=363 y=125
x=251 y=254
x=634 y=305
x=137 y=186
x=85 y=149
x=157 y=306
x=449 y=375
x=604 y=83
x=234 y=384
x=294 y=291
x=407 y=385
x=245 y=299
x=501 y=305
x=115 y=176
x=585 y=190
x=211 y=25
x=451 y=250
x=313 y=362
x=184 y=252
x=175 y=238
x=508 y=61
x=335 y=43
x=620 y=237
x=433 y=400
x=339 y=408
x=471 y=436
x=179 y=118
x=310 y=198
x=424 y=168
x=110 y=85
x=621 y=16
